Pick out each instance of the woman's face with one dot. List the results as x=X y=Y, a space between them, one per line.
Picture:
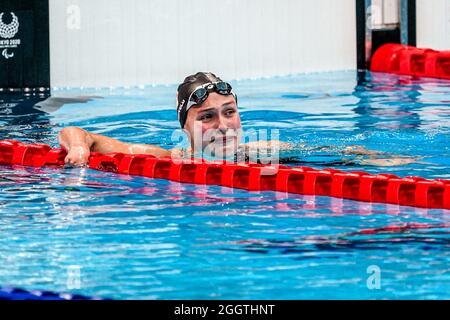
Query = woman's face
x=214 y=127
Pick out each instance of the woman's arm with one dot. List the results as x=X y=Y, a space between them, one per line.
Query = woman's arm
x=269 y=144
x=80 y=143
x=390 y=162
x=376 y=158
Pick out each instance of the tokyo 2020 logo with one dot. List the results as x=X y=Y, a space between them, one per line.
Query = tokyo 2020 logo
x=8 y=31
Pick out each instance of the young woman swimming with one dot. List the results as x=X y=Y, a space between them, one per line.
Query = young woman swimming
x=208 y=114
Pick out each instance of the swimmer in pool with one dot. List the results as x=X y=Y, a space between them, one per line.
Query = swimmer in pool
x=208 y=114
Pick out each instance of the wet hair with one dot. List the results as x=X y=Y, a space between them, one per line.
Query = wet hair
x=185 y=90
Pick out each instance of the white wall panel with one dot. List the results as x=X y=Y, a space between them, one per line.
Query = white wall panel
x=433 y=24
x=391 y=13
x=136 y=42
x=385 y=13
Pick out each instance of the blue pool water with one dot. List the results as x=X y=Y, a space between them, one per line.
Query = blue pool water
x=100 y=234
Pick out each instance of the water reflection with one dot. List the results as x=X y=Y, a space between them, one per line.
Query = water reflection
x=387 y=102
x=26 y=116
x=298 y=249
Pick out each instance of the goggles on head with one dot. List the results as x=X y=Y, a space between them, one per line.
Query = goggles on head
x=200 y=94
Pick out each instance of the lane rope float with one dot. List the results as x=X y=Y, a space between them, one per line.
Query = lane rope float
x=361 y=186
x=409 y=60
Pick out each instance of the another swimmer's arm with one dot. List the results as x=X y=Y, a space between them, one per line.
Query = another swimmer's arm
x=79 y=143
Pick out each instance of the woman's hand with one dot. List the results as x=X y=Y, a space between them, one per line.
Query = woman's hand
x=78 y=155
x=77 y=142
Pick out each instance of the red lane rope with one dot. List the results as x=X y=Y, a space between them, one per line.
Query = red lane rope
x=381 y=188
x=408 y=60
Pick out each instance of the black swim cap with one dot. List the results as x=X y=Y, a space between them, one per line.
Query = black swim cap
x=187 y=87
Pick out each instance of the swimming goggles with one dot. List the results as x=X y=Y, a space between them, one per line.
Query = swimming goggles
x=201 y=93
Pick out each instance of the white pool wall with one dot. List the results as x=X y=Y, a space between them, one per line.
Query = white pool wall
x=101 y=43
x=433 y=24
x=136 y=42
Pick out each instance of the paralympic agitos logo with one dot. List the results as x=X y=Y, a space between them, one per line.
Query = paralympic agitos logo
x=7 y=33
